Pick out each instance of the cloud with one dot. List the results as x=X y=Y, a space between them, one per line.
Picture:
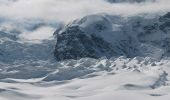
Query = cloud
x=131 y=1
x=37 y=35
x=6 y=2
x=66 y=10
x=19 y=13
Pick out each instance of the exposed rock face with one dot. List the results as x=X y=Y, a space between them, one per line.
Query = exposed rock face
x=92 y=37
x=102 y=35
x=73 y=43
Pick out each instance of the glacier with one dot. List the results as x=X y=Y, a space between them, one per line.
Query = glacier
x=116 y=78
x=96 y=57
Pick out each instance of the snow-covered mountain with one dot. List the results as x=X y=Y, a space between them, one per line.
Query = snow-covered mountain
x=105 y=35
x=98 y=56
x=84 y=38
x=12 y=50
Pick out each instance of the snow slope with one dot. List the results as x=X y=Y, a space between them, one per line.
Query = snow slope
x=28 y=71
x=120 y=78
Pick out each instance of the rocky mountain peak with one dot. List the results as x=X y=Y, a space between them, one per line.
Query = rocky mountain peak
x=102 y=35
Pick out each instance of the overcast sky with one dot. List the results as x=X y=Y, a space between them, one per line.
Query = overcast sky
x=67 y=10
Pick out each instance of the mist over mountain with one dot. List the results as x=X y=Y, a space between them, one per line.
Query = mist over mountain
x=84 y=49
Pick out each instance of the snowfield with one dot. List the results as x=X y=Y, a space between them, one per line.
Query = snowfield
x=116 y=78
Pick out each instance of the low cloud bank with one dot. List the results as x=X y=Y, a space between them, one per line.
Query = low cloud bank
x=56 y=11
x=66 y=10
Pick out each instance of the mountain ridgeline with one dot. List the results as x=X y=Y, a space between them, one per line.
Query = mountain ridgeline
x=103 y=35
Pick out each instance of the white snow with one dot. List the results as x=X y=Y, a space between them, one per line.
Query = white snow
x=28 y=71
x=89 y=79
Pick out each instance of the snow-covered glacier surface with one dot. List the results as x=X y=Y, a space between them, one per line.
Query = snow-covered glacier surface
x=30 y=71
x=93 y=79
x=40 y=77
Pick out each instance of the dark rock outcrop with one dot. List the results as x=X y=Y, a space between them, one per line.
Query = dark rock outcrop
x=97 y=36
x=73 y=43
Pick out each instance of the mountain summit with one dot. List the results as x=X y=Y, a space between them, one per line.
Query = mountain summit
x=103 y=35
x=92 y=36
